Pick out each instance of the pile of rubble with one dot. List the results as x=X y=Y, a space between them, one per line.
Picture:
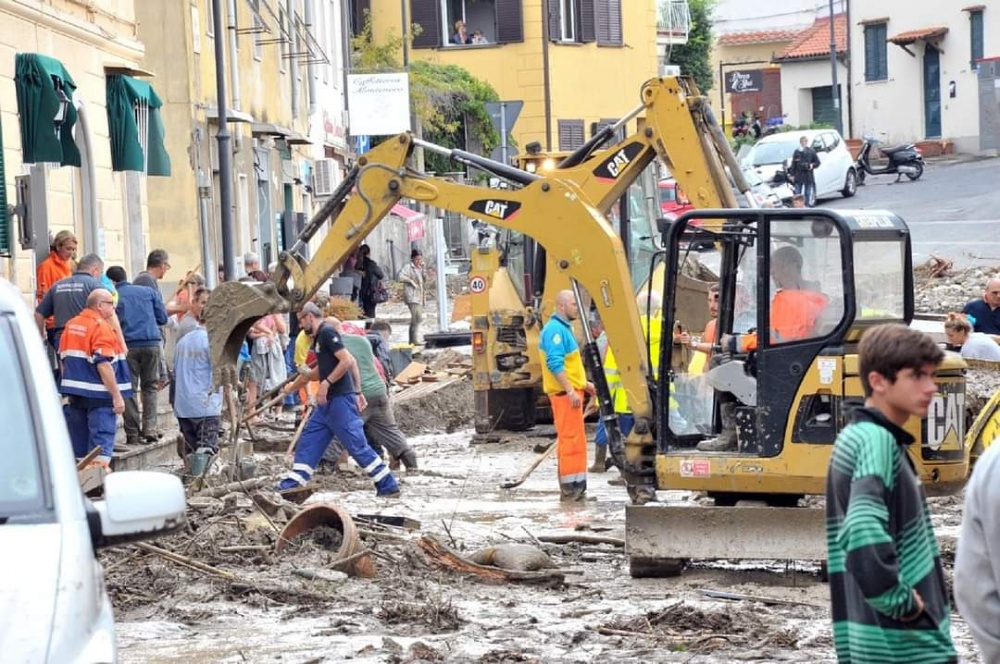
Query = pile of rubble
x=939 y=288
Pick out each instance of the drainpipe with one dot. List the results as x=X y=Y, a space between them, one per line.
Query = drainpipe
x=293 y=65
x=310 y=21
x=204 y=215
x=850 y=74
x=545 y=76
x=234 y=71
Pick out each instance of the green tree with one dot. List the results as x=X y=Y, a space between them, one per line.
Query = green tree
x=448 y=101
x=694 y=57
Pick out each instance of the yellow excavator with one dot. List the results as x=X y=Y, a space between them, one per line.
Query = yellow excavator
x=507 y=310
x=859 y=261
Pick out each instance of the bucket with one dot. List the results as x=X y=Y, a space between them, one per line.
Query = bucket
x=401 y=356
x=332 y=516
x=198 y=463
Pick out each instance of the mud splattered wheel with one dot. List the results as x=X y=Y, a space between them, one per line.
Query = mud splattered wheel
x=655 y=568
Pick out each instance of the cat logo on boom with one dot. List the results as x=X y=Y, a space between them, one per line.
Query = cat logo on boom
x=944 y=428
x=496 y=208
x=612 y=167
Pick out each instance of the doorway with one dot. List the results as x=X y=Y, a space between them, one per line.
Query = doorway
x=932 y=92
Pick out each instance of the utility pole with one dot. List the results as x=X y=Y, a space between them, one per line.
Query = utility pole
x=835 y=91
x=225 y=154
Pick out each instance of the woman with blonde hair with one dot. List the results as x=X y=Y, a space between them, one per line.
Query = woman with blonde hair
x=58 y=266
x=974 y=345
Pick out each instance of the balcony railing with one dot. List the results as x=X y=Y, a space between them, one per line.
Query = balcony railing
x=673 y=22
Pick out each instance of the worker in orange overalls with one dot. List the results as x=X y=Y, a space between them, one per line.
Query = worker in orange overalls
x=565 y=382
x=95 y=377
x=795 y=308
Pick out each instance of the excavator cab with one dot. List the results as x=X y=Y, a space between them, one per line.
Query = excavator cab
x=796 y=291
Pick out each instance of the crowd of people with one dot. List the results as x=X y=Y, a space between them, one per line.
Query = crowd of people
x=106 y=336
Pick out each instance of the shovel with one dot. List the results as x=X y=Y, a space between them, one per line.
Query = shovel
x=537 y=462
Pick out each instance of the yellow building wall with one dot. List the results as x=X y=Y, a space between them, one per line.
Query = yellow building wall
x=732 y=56
x=177 y=31
x=586 y=81
x=79 y=38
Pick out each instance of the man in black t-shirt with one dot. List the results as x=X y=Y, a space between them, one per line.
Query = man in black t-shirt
x=338 y=410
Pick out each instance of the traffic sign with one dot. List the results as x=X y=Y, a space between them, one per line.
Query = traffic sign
x=477 y=284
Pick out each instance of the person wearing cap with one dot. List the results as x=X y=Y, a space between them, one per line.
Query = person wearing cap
x=412 y=278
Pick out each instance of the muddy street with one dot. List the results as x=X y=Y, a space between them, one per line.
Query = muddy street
x=230 y=597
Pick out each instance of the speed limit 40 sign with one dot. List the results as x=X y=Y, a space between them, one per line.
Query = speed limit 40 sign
x=477 y=284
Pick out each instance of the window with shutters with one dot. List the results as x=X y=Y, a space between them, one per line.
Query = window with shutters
x=976 y=37
x=571 y=134
x=876 y=53
x=446 y=23
x=598 y=126
x=585 y=21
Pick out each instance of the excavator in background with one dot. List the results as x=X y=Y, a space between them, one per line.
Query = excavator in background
x=509 y=305
x=859 y=261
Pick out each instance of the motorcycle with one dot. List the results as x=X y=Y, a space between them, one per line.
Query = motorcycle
x=903 y=160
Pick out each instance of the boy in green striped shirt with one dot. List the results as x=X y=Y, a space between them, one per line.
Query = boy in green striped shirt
x=889 y=601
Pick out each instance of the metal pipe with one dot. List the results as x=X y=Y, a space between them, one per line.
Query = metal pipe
x=293 y=48
x=441 y=248
x=468 y=158
x=406 y=38
x=204 y=215
x=850 y=73
x=545 y=75
x=234 y=61
x=225 y=152
x=834 y=88
x=310 y=17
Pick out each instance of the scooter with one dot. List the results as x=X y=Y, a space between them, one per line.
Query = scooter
x=903 y=160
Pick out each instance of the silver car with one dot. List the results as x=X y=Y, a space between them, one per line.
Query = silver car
x=52 y=593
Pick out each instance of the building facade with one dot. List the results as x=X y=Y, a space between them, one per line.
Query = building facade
x=284 y=76
x=914 y=69
x=573 y=64
x=807 y=76
x=80 y=132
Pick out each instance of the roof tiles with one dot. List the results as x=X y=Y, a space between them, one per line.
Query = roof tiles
x=814 y=41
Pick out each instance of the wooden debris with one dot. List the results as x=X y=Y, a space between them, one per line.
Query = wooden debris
x=741 y=597
x=583 y=539
x=439 y=556
x=412 y=373
x=242 y=485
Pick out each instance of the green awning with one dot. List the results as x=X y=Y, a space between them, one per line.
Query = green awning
x=39 y=80
x=136 y=126
x=5 y=240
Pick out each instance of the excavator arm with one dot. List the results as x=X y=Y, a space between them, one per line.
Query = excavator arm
x=580 y=242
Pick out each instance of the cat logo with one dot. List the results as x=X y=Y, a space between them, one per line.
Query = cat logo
x=612 y=167
x=498 y=209
x=945 y=427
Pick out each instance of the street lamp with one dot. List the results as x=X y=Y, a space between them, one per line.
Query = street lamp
x=64 y=102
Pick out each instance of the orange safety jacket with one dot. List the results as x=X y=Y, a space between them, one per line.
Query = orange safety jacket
x=87 y=341
x=49 y=271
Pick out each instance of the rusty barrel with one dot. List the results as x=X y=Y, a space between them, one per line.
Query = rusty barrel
x=336 y=517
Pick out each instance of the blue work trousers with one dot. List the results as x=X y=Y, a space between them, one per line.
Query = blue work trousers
x=90 y=428
x=625 y=423
x=340 y=418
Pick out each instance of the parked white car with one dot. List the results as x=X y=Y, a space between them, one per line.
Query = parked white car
x=52 y=593
x=837 y=173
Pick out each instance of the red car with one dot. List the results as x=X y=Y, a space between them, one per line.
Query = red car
x=673 y=201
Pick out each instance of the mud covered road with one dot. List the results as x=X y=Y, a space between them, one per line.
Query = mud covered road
x=256 y=606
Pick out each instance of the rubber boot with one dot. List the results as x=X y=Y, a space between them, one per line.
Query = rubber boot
x=725 y=441
x=600 y=457
x=409 y=459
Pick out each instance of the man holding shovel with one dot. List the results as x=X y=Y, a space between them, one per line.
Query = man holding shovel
x=565 y=382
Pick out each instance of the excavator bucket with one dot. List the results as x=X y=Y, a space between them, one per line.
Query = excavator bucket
x=231 y=311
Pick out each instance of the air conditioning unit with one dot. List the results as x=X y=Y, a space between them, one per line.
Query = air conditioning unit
x=324 y=177
x=670 y=70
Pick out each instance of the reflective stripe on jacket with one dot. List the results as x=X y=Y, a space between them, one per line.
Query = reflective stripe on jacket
x=88 y=341
x=613 y=375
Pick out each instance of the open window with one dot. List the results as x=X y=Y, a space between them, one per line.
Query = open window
x=496 y=21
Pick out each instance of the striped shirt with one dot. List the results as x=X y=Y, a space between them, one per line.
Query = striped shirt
x=881 y=547
x=88 y=341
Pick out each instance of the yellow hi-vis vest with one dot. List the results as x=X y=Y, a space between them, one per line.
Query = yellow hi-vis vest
x=652 y=332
